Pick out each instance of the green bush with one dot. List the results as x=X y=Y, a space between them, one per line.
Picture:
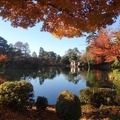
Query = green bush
x=117 y=101
x=68 y=106
x=115 y=64
x=116 y=74
x=97 y=96
x=115 y=79
x=16 y=95
x=41 y=103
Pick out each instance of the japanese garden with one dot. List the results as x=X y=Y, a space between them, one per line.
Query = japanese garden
x=79 y=85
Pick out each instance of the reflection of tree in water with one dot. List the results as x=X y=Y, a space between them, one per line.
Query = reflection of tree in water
x=15 y=74
x=2 y=79
x=94 y=78
x=74 y=77
x=47 y=73
x=65 y=70
x=71 y=76
x=23 y=74
x=97 y=78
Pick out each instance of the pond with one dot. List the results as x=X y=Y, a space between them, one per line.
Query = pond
x=49 y=82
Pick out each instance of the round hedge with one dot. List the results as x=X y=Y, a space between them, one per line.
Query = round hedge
x=68 y=106
x=97 y=96
x=41 y=103
x=16 y=95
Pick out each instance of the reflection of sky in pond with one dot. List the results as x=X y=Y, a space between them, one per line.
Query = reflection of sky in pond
x=52 y=87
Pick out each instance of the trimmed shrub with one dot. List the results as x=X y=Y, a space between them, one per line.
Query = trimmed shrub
x=16 y=95
x=97 y=96
x=117 y=101
x=41 y=103
x=68 y=106
x=115 y=79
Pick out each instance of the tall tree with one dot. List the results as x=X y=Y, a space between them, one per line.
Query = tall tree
x=41 y=52
x=34 y=54
x=26 y=49
x=4 y=47
x=105 y=47
x=61 y=17
x=22 y=48
x=73 y=54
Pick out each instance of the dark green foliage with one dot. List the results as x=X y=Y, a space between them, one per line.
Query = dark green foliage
x=4 y=47
x=41 y=103
x=16 y=95
x=117 y=100
x=68 y=106
x=97 y=96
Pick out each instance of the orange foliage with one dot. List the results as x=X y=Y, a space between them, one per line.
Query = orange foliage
x=105 y=47
x=2 y=79
x=67 y=18
x=3 y=57
x=98 y=74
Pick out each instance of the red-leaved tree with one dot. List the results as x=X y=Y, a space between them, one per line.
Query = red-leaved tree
x=105 y=47
x=3 y=57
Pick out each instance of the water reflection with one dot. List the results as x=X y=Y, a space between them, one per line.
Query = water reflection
x=72 y=75
x=47 y=73
x=97 y=78
x=49 y=82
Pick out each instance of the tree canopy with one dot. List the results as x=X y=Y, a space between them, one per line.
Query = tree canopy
x=105 y=47
x=23 y=48
x=4 y=47
x=62 y=18
x=72 y=54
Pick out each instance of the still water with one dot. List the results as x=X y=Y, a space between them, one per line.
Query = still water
x=52 y=87
x=49 y=82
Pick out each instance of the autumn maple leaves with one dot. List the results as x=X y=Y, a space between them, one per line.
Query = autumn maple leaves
x=62 y=18
x=105 y=47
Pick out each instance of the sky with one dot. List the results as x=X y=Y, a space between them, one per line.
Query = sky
x=36 y=39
